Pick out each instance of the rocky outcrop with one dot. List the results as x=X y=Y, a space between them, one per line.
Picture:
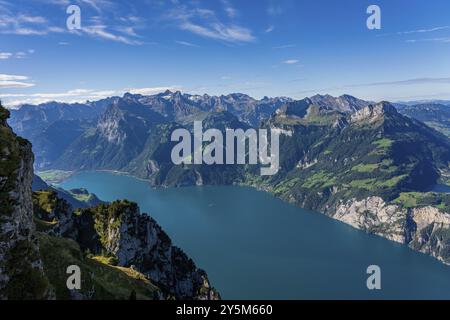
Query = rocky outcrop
x=21 y=271
x=49 y=208
x=373 y=113
x=432 y=234
x=344 y=103
x=425 y=229
x=136 y=240
x=374 y=216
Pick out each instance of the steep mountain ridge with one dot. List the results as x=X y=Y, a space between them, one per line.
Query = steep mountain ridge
x=21 y=268
x=376 y=144
x=344 y=103
x=53 y=127
x=179 y=107
x=118 y=137
x=155 y=163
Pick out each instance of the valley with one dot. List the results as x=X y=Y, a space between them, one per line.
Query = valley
x=362 y=163
x=257 y=246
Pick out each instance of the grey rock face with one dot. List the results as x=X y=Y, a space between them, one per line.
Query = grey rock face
x=424 y=229
x=374 y=216
x=21 y=271
x=136 y=239
x=373 y=113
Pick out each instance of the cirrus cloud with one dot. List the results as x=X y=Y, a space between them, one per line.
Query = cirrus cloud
x=206 y=23
x=14 y=81
x=12 y=100
x=291 y=61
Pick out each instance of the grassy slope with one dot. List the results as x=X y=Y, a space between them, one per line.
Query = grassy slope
x=102 y=279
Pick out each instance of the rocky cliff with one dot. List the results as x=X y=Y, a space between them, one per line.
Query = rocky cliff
x=21 y=269
x=119 y=232
x=136 y=239
x=423 y=228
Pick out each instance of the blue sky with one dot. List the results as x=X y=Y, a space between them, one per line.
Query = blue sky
x=260 y=47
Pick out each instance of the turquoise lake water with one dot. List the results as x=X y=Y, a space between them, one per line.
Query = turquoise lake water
x=254 y=246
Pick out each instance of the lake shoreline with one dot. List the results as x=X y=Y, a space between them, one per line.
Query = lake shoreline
x=269 y=190
x=300 y=234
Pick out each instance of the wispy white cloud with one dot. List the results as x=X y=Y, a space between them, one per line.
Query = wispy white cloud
x=70 y=93
x=269 y=29
x=98 y=5
x=291 y=61
x=219 y=31
x=424 y=30
x=229 y=9
x=8 y=81
x=416 y=31
x=17 y=55
x=71 y=96
x=15 y=85
x=32 y=19
x=274 y=10
x=20 y=55
x=130 y=31
x=205 y=23
x=6 y=77
x=122 y=29
x=64 y=3
x=406 y=82
x=75 y=95
x=101 y=31
x=13 y=21
x=151 y=90
x=5 y=55
x=411 y=81
x=441 y=40
x=186 y=43
x=286 y=46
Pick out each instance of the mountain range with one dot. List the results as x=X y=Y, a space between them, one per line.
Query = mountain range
x=371 y=165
